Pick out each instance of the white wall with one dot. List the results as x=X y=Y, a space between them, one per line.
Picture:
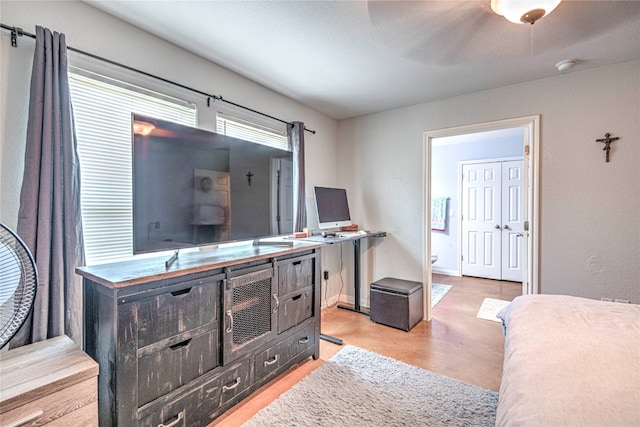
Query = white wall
x=93 y=31
x=590 y=231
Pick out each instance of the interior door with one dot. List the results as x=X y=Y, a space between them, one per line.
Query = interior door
x=512 y=220
x=481 y=229
x=492 y=222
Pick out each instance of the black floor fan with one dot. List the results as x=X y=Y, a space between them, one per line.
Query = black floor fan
x=18 y=283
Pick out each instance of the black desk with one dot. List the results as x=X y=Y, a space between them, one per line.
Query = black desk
x=355 y=239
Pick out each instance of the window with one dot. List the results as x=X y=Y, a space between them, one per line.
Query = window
x=102 y=113
x=250 y=130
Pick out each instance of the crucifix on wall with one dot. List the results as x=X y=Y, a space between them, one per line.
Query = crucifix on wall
x=607 y=140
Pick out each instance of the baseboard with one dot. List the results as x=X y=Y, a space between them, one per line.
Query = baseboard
x=330 y=302
x=349 y=300
x=444 y=272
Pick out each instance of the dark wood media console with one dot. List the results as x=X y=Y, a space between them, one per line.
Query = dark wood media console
x=178 y=346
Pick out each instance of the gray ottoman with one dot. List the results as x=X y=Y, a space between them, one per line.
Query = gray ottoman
x=396 y=303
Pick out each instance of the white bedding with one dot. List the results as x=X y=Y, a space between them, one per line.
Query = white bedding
x=570 y=362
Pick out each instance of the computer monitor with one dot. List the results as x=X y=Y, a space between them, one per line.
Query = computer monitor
x=332 y=207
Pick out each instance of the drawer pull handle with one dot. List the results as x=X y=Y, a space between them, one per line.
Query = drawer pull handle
x=231 y=387
x=174 y=422
x=26 y=420
x=296 y=298
x=181 y=292
x=303 y=340
x=275 y=297
x=296 y=262
x=230 y=316
x=270 y=362
x=180 y=344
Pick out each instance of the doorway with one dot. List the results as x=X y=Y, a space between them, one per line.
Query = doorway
x=529 y=150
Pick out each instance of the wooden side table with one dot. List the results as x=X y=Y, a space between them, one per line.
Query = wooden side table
x=51 y=382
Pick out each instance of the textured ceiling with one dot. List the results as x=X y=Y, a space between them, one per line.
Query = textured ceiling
x=350 y=58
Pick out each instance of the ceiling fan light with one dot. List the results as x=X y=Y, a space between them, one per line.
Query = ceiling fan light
x=524 y=11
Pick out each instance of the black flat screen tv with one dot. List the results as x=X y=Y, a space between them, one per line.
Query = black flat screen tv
x=193 y=187
x=332 y=207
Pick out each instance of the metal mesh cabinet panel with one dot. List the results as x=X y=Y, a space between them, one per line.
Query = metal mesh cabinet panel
x=250 y=312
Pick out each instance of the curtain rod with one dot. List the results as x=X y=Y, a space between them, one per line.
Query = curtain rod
x=19 y=32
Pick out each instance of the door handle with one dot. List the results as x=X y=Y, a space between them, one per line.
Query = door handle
x=519 y=235
x=506 y=227
x=273 y=360
x=174 y=422
x=230 y=316
x=236 y=383
x=497 y=227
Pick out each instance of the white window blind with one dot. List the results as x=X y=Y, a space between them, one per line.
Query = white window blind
x=102 y=114
x=275 y=136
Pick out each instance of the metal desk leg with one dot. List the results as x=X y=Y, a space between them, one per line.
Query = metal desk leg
x=333 y=340
x=356 y=280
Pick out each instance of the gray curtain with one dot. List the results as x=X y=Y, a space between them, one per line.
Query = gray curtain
x=295 y=133
x=49 y=219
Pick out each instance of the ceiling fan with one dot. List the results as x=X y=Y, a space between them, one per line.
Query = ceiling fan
x=524 y=11
x=455 y=33
x=470 y=34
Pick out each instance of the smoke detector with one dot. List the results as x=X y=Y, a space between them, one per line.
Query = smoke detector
x=566 y=65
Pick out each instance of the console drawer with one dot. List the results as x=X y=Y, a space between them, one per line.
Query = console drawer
x=295 y=275
x=163 y=370
x=302 y=340
x=198 y=405
x=294 y=310
x=172 y=313
x=268 y=362
x=234 y=381
x=182 y=410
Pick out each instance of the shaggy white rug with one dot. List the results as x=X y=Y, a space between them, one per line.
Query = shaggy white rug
x=359 y=388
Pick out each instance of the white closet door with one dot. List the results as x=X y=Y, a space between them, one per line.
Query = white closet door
x=481 y=228
x=492 y=222
x=512 y=220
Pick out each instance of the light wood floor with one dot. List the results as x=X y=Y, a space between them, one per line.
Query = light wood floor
x=455 y=343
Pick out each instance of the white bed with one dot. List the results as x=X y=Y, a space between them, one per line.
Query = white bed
x=570 y=362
